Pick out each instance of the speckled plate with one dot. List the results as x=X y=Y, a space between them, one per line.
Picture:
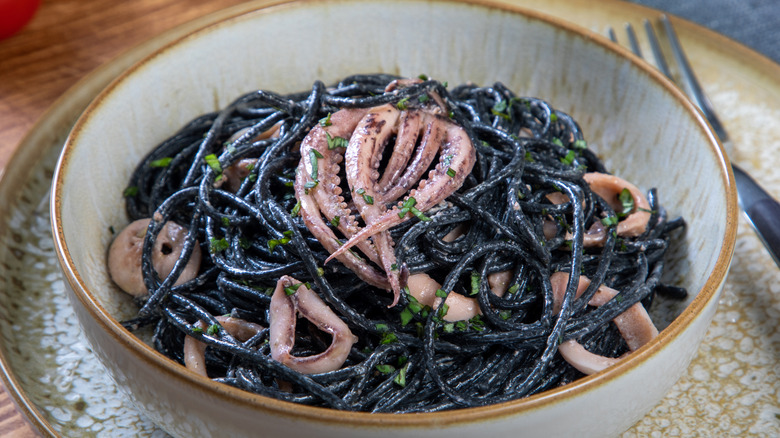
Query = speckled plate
x=732 y=387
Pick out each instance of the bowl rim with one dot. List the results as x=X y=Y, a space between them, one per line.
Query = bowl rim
x=227 y=393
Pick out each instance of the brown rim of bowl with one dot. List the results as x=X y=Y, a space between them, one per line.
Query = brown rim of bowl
x=456 y=416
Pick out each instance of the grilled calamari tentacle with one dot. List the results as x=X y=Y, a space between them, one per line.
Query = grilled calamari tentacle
x=310 y=213
x=361 y=161
x=408 y=134
x=456 y=159
x=430 y=144
x=290 y=299
x=327 y=192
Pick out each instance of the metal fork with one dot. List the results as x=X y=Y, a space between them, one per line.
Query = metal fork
x=761 y=209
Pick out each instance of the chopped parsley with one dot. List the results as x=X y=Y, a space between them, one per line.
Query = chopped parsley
x=213 y=162
x=218 y=245
x=409 y=207
x=313 y=156
x=501 y=109
x=400 y=379
x=580 y=144
x=406 y=316
x=385 y=369
x=162 y=162
x=130 y=191
x=273 y=243
x=296 y=209
x=388 y=338
x=336 y=142
x=627 y=202
x=609 y=221
x=569 y=158
x=476 y=282
x=290 y=290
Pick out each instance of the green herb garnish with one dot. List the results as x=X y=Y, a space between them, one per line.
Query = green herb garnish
x=218 y=245
x=162 y=162
x=388 y=338
x=130 y=191
x=336 y=142
x=569 y=158
x=627 y=202
x=476 y=282
x=273 y=243
x=296 y=209
x=213 y=162
x=406 y=316
x=609 y=221
x=501 y=109
x=289 y=290
x=313 y=156
x=580 y=144
x=385 y=369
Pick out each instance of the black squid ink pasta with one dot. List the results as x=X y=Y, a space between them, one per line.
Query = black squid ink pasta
x=525 y=211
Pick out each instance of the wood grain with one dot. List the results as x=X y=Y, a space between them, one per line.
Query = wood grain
x=12 y=423
x=66 y=40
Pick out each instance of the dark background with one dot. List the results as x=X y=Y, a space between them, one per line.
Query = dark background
x=754 y=23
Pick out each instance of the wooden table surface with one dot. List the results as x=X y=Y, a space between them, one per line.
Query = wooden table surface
x=66 y=40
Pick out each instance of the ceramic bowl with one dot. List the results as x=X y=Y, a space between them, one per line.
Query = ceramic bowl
x=637 y=121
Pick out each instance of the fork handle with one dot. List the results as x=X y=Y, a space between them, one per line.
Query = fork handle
x=764 y=215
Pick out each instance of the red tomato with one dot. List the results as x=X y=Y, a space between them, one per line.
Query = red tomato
x=14 y=14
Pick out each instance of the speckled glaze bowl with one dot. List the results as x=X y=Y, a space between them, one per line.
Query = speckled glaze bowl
x=640 y=125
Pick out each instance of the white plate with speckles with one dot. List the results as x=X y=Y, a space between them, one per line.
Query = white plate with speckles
x=731 y=388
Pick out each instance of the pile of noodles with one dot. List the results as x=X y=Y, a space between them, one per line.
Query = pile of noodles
x=407 y=357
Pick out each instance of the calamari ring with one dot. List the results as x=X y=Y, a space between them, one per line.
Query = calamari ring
x=634 y=325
